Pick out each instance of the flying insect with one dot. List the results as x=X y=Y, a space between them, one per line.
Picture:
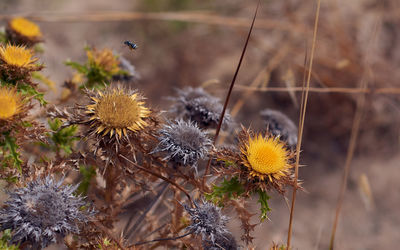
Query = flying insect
x=131 y=45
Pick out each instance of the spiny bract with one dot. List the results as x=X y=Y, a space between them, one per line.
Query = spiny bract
x=207 y=220
x=183 y=142
x=42 y=212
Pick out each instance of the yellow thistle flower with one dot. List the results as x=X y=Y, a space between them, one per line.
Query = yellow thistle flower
x=25 y=28
x=104 y=59
x=17 y=56
x=265 y=157
x=11 y=103
x=114 y=111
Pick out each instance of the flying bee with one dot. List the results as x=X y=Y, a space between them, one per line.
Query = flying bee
x=131 y=45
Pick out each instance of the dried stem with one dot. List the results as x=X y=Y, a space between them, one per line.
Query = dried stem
x=301 y=124
x=159 y=176
x=230 y=91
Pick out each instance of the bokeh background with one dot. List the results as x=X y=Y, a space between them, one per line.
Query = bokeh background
x=198 y=43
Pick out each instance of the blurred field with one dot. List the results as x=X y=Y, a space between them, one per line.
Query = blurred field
x=186 y=43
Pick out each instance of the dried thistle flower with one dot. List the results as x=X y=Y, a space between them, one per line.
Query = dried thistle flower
x=280 y=125
x=16 y=62
x=183 y=142
x=24 y=32
x=43 y=212
x=199 y=106
x=225 y=241
x=115 y=111
x=207 y=221
x=263 y=162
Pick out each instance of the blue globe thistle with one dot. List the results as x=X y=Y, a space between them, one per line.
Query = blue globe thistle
x=199 y=106
x=183 y=142
x=207 y=221
x=280 y=125
x=42 y=213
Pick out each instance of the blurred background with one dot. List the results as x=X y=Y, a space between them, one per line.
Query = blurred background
x=198 y=43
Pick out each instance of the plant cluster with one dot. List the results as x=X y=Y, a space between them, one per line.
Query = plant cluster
x=106 y=156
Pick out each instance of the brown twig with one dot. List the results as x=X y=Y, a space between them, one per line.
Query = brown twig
x=230 y=91
x=109 y=234
x=159 y=176
x=301 y=124
x=393 y=91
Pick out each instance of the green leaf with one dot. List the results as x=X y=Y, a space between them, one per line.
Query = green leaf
x=11 y=146
x=88 y=172
x=29 y=90
x=5 y=239
x=62 y=138
x=77 y=66
x=263 y=198
x=228 y=189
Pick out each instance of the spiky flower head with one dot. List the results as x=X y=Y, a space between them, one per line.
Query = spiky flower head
x=199 y=106
x=115 y=111
x=263 y=162
x=42 y=212
x=17 y=61
x=22 y=31
x=104 y=59
x=280 y=125
x=183 y=142
x=207 y=221
x=11 y=103
x=225 y=241
x=265 y=157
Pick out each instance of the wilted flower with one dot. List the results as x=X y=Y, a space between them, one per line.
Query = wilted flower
x=207 y=221
x=16 y=62
x=115 y=121
x=183 y=142
x=263 y=162
x=24 y=32
x=280 y=125
x=42 y=212
x=115 y=111
x=199 y=106
x=225 y=241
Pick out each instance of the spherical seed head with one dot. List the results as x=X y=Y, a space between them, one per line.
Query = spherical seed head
x=10 y=103
x=42 y=212
x=199 y=106
x=183 y=142
x=130 y=72
x=280 y=125
x=265 y=157
x=207 y=220
x=17 y=56
x=25 y=27
x=115 y=111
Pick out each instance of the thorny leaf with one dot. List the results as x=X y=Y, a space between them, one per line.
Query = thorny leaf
x=63 y=138
x=228 y=189
x=30 y=91
x=11 y=146
x=263 y=200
